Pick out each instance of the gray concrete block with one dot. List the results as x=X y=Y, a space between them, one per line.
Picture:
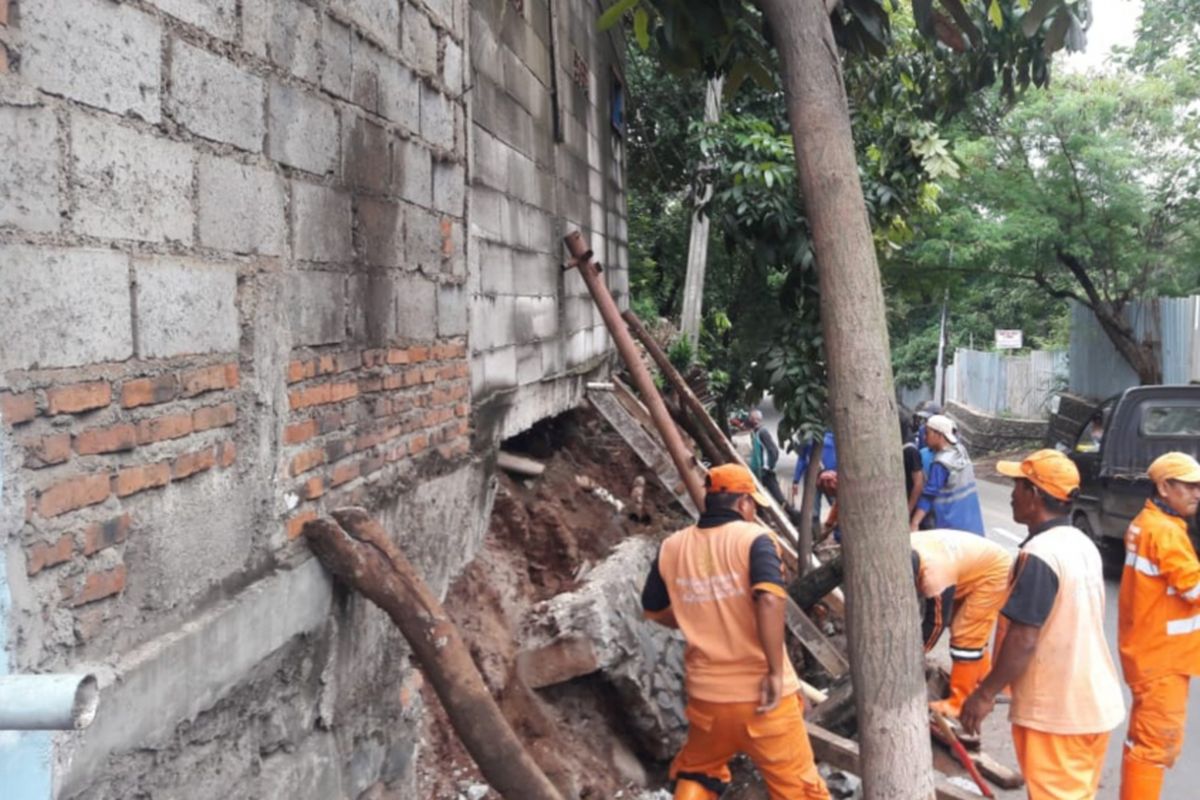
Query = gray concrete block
x=416 y=307
x=529 y=364
x=449 y=188
x=303 y=130
x=380 y=232
x=485 y=50
x=500 y=368
x=242 y=208
x=366 y=154
x=373 y=300
x=214 y=98
x=64 y=308
x=453 y=304
x=492 y=322
x=218 y=17
x=418 y=40
x=130 y=185
x=413 y=172
x=337 y=69
x=422 y=240
x=490 y=159
x=495 y=269
x=184 y=307
x=383 y=85
x=321 y=223
x=553 y=357
x=379 y=19
x=437 y=118
x=489 y=213
x=29 y=196
x=151 y=689
x=93 y=51
x=536 y=318
x=452 y=67
x=535 y=274
x=443 y=13
x=286 y=32
x=316 y=303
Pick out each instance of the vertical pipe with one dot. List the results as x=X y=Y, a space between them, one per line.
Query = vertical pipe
x=582 y=260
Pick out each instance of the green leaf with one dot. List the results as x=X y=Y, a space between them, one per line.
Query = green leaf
x=995 y=15
x=641 y=28
x=1036 y=15
x=614 y=14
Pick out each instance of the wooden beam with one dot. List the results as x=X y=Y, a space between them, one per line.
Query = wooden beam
x=814 y=641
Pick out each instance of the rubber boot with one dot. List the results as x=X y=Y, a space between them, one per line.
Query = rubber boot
x=690 y=790
x=1141 y=781
x=964 y=677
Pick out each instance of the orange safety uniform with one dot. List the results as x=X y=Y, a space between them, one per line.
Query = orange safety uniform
x=707 y=573
x=1159 y=639
x=970 y=574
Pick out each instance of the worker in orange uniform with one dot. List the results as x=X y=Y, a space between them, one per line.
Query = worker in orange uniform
x=720 y=581
x=1159 y=624
x=1066 y=697
x=964 y=581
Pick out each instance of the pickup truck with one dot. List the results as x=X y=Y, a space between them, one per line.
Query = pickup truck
x=1138 y=425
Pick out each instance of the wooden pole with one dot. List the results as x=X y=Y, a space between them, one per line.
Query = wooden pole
x=359 y=552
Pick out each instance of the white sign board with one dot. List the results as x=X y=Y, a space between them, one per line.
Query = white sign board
x=1008 y=340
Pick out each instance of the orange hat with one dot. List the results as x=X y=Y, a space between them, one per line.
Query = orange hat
x=1175 y=467
x=735 y=479
x=1049 y=470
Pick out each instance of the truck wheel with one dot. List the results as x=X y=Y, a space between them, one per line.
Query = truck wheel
x=1111 y=551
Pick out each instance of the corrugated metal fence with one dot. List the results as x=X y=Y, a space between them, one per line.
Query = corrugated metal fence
x=996 y=383
x=1173 y=323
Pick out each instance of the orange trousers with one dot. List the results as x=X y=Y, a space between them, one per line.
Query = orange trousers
x=777 y=743
x=1060 y=766
x=1155 y=737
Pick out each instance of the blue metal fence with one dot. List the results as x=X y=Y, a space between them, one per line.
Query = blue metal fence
x=997 y=383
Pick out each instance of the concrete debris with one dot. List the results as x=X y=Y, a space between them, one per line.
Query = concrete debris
x=842 y=785
x=589 y=485
x=965 y=784
x=476 y=791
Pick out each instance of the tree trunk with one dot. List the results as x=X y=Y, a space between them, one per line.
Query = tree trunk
x=693 y=285
x=885 y=651
x=1140 y=355
x=808 y=502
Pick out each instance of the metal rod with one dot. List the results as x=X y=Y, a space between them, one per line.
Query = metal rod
x=581 y=259
x=47 y=702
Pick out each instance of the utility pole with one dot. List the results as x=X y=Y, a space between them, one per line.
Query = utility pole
x=693 y=284
x=939 y=375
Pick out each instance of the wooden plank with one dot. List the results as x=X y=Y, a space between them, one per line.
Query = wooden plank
x=838 y=705
x=814 y=641
x=842 y=753
x=1002 y=775
x=511 y=462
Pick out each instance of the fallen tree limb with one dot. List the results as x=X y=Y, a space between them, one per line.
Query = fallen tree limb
x=815 y=584
x=359 y=552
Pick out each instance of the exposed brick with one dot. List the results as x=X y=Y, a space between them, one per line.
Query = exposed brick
x=208 y=379
x=149 y=391
x=227 y=453
x=374 y=358
x=344 y=473
x=17 y=408
x=41 y=555
x=332 y=421
x=313 y=488
x=343 y=391
x=311 y=396
x=300 y=432
x=140 y=478
x=99 y=585
x=295 y=525
x=3 y=12
x=171 y=426
x=307 y=460
x=417 y=354
x=112 y=439
x=369 y=385
x=299 y=370
x=338 y=449
x=371 y=465
x=325 y=365
x=100 y=535
x=231 y=376
x=79 y=397
x=417 y=444
x=44 y=451
x=190 y=463
x=73 y=493
x=204 y=419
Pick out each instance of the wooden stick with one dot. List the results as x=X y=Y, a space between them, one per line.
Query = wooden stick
x=842 y=753
x=359 y=552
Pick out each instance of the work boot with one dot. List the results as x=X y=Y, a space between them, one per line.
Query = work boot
x=690 y=790
x=1141 y=781
x=964 y=677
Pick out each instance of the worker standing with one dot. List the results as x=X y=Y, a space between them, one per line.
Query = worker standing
x=963 y=579
x=720 y=581
x=950 y=497
x=1159 y=624
x=1066 y=698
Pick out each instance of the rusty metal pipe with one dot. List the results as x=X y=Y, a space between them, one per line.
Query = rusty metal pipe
x=589 y=270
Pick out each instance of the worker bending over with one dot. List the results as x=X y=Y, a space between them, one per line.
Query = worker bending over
x=964 y=581
x=1066 y=698
x=720 y=581
x=1159 y=624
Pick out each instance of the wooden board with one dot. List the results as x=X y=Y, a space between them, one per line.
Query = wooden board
x=814 y=641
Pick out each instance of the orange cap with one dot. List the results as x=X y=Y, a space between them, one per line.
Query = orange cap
x=1049 y=470
x=1175 y=467
x=735 y=479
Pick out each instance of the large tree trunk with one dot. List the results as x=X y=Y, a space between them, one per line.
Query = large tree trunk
x=885 y=651
x=693 y=285
x=1140 y=355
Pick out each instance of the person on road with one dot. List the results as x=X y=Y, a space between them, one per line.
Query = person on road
x=963 y=580
x=914 y=472
x=826 y=451
x=721 y=583
x=1158 y=624
x=1066 y=697
x=950 y=498
x=764 y=455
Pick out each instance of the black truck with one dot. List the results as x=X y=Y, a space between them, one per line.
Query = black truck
x=1113 y=450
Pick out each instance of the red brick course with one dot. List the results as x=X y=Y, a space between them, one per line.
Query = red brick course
x=45 y=451
x=204 y=419
x=149 y=391
x=112 y=439
x=77 y=492
x=99 y=585
x=40 y=555
x=170 y=426
x=140 y=478
x=100 y=535
x=17 y=408
x=78 y=398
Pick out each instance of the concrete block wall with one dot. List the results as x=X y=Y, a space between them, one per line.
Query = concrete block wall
x=233 y=250
x=545 y=159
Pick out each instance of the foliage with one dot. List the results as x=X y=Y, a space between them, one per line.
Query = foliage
x=1167 y=30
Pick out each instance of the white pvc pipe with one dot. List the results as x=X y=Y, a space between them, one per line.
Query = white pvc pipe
x=47 y=702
